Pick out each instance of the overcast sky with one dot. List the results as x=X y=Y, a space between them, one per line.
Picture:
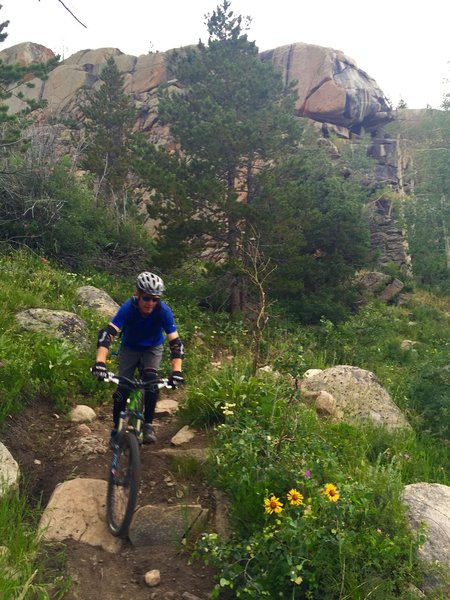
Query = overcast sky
x=404 y=45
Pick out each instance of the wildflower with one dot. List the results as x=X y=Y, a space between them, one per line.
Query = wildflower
x=331 y=492
x=307 y=474
x=273 y=505
x=308 y=511
x=295 y=498
x=298 y=580
x=226 y=408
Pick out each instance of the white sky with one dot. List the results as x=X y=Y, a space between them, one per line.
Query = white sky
x=404 y=45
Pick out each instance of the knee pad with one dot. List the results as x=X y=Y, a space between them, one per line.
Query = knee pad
x=119 y=397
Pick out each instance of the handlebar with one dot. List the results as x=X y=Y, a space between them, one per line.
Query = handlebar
x=138 y=384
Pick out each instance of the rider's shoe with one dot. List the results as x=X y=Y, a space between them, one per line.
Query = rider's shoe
x=112 y=439
x=149 y=436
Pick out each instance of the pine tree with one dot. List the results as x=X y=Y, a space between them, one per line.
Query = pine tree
x=234 y=117
x=109 y=119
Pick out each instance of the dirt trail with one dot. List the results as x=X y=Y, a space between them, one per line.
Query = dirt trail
x=39 y=441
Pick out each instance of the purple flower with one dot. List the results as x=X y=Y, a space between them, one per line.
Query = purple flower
x=307 y=473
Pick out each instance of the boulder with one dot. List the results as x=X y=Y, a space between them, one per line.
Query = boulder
x=77 y=510
x=429 y=503
x=82 y=414
x=58 y=324
x=9 y=470
x=97 y=299
x=357 y=396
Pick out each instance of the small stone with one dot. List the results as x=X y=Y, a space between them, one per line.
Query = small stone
x=83 y=429
x=37 y=461
x=153 y=578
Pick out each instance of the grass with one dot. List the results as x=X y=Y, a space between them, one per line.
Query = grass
x=28 y=569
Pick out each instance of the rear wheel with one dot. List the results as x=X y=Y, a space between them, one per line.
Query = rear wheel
x=123 y=485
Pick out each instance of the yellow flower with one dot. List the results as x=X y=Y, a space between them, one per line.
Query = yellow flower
x=295 y=498
x=331 y=492
x=273 y=505
x=298 y=580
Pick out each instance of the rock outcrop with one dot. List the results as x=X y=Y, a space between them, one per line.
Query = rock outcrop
x=331 y=87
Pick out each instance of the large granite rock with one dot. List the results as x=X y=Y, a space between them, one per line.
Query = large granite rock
x=77 y=510
x=59 y=324
x=357 y=396
x=331 y=87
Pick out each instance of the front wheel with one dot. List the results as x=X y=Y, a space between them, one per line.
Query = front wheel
x=123 y=484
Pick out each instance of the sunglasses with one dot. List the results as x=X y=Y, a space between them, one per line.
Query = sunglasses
x=150 y=298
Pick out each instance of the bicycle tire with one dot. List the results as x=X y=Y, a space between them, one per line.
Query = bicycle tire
x=123 y=485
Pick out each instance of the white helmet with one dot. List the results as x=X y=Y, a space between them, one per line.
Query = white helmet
x=150 y=283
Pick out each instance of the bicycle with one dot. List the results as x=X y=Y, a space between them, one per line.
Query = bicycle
x=124 y=473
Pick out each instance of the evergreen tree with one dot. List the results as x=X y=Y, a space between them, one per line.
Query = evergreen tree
x=109 y=119
x=312 y=223
x=426 y=141
x=234 y=117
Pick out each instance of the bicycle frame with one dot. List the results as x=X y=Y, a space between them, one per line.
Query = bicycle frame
x=132 y=417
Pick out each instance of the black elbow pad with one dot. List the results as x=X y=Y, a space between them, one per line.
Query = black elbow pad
x=176 y=348
x=105 y=336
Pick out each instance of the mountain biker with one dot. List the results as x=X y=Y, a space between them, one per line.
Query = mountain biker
x=142 y=319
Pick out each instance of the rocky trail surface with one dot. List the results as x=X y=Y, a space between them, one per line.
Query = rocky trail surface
x=50 y=450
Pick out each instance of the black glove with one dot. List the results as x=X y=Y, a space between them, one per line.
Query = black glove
x=175 y=379
x=99 y=371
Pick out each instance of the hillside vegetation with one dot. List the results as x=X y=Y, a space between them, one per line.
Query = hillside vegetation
x=268 y=443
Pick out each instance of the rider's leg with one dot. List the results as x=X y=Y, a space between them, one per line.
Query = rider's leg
x=128 y=361
x=151 y=360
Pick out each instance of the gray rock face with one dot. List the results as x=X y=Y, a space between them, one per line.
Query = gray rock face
x=59 y=324
x=387 y=238
x=379 y=285
x=358 y=396
x=332 y=89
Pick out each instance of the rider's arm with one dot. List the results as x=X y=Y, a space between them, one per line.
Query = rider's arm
x=176 y=350
x=105 y=337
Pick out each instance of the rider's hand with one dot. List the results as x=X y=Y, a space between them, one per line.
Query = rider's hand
x=99 y=371
x=175 y=379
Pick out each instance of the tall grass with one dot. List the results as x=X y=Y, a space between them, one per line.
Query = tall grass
x=28 y=570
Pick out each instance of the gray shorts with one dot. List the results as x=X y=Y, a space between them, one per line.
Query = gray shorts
x=130 y=360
